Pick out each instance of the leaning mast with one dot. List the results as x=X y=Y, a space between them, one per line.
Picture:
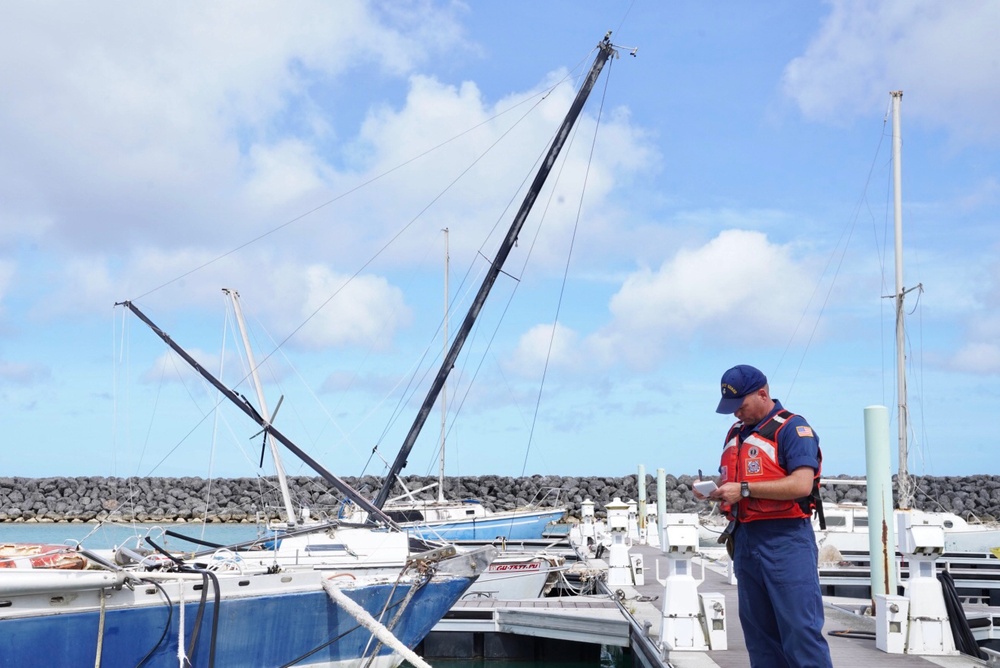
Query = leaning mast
x=269 y=429
x=605 y=51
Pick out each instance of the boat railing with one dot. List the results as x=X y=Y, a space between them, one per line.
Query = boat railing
x=551 y=497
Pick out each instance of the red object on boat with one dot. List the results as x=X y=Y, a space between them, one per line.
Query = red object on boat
x=40 y=555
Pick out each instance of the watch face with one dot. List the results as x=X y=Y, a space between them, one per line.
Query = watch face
x=745 y=490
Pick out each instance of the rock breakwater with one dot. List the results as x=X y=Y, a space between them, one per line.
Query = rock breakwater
x=91 y=499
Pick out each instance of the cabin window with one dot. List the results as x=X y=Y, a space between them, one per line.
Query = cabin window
x=836 y=521
x=861 y=521
x=406 y=515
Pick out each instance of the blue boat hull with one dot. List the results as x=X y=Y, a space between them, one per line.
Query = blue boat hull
x=303 y=628
x=520 y=527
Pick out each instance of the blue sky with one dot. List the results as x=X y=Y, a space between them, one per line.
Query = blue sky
x=737 y=209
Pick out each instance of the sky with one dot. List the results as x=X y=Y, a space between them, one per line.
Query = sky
x=725 y=198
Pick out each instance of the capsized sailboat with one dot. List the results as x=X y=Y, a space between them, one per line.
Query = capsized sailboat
x=300 y=540
x=327 y=596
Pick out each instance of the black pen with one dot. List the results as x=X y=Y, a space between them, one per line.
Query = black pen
x=699 y=475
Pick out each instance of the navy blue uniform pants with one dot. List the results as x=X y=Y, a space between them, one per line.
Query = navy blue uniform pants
x=781 y=607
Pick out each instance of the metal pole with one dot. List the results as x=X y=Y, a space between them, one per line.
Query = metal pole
x=905 y=489
x=881 y=517
x=279 y=468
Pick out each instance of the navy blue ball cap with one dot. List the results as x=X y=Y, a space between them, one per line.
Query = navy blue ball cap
x=737 y=383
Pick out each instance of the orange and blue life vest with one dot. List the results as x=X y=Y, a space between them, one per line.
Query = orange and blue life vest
x=755 y=459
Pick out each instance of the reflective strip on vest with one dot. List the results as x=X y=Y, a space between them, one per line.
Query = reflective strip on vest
x=767 y=447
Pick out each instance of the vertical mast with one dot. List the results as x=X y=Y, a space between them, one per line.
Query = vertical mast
x=279 y=468
x=444 y=387
x=606 y=50
x=905 y=490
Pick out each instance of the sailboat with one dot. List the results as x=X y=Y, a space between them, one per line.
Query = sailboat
x=847 y=523
x=515 y=573
x=237 y=607
x=324 y=595
x=297 y=539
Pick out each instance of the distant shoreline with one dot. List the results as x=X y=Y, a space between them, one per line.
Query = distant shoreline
x=249 y=500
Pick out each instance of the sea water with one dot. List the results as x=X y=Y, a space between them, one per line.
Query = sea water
x=102 y=536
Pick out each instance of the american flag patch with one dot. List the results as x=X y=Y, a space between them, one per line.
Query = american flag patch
x=804 y=432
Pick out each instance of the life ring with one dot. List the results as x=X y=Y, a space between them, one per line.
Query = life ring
x=40 y=555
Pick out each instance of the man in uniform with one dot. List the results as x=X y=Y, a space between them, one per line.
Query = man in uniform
x=768 y=478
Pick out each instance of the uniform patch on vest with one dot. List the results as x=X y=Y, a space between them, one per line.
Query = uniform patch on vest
x=753 y=467
x=804 y=432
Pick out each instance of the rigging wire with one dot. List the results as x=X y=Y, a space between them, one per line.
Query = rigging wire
x=399 y=233
x=569 y=257
x=364 y=184
x=882 y=245
x=848 y=231
x=537 y=99
x=412 y=385
x=565 y=274
x=415 y=382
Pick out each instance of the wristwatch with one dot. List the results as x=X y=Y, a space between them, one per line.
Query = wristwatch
x=745 y=489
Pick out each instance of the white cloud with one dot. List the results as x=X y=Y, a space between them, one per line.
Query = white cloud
x=283 y=171
x=179 y=135
x=944 y=56
x=144 y=122
x=977 y=357
x=541 y=346
x=482 y=176
x=364 y=311
x=980 y=352
x=7 y=272
x=739 y=288
x=19 y=373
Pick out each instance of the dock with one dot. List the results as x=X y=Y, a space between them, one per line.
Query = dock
x=629 y=617
x=851 y=637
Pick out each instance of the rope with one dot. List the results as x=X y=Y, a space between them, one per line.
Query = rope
x=100 y=630
x=182 y=659
x=399 y=613
x=166 y=627
x=193 y=642
x=370 y=623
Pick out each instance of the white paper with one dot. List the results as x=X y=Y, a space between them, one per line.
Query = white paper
x=705 y=487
